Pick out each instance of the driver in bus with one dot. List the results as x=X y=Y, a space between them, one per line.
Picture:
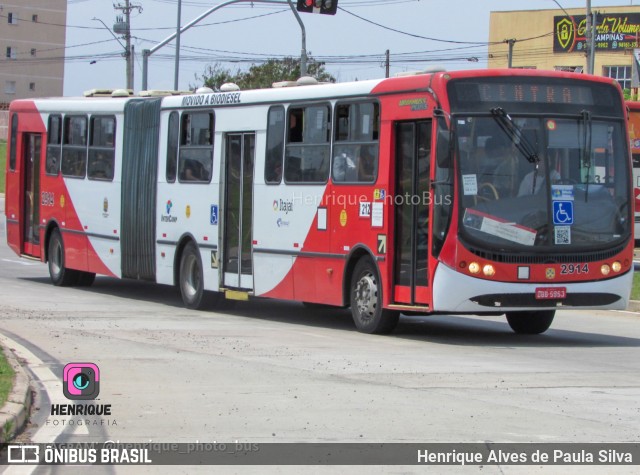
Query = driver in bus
x=526 y=186
x=504 y=175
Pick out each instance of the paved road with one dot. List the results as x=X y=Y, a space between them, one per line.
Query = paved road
x=277 y=372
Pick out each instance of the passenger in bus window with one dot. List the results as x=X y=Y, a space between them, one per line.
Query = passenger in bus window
x=295 y=125
x=366 y=164
x=344 y=166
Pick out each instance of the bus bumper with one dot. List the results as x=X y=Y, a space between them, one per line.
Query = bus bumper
x=459 y=293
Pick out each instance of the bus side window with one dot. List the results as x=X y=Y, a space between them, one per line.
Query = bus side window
x=308 y=150
x=54 y=141
x=355 y=147
x=102 y=148
x=275 y=146
x=195 y=156
x=74 y=146
x=172 y=146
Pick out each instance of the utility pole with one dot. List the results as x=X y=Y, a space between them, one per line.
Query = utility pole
x=510 y=42
x=123 y=27
x=386 y=63
x=177 y=62
x=589 y=39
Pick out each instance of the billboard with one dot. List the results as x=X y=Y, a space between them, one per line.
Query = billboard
x=614 y=31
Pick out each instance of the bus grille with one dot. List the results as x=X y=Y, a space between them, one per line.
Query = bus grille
x=509 y=258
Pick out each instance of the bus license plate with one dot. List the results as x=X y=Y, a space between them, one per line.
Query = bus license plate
x=551 y=293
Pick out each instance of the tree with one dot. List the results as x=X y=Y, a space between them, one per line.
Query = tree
x=263 y=75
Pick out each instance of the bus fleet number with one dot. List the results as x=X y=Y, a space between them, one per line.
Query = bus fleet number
x=566 y=269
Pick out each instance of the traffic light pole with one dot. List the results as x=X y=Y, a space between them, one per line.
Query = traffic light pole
x=148 y=52
x=303 y=53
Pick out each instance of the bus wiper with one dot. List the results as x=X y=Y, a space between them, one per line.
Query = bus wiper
x=586 y=151
x=514 y=132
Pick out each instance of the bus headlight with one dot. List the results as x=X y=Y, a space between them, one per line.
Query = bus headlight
x=474 y=267
x=605 y=269
x=488 y=270
x=616 y=266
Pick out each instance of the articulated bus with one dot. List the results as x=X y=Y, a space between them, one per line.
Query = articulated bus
x=634 y=138
x=487 y=192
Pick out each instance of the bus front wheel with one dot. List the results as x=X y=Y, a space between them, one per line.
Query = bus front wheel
x=191 y=278
x=366 y=300
x=530 y=323
x=60 y=275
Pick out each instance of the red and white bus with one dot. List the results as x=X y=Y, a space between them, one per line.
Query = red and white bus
x=634 y=138
x=481 y=192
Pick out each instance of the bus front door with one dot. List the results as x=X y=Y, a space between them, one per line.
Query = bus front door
x=238 y=219
x=32 y=144
x=413 y=150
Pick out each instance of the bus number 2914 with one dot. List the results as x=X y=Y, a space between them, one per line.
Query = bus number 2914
x=566 y=269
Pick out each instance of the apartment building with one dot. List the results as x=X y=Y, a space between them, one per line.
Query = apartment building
x=32 y=41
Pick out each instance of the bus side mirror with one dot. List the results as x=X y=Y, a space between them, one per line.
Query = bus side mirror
x=443 y=137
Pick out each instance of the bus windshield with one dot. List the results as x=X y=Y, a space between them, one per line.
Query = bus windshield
x=539 y=181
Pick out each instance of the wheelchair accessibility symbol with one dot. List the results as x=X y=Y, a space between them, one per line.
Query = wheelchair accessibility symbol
x=563 y=212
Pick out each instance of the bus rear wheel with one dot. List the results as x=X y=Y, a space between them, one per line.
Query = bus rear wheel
x=530 y=323
x=60 y=275
x=366 y=300
x=191 y=278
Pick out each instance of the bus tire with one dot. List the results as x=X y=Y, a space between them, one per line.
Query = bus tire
x=366 y=300
x=60 y=275
x=191 y=278
x=532 y=322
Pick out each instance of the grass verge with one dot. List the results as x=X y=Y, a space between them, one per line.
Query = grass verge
x=635 y=289
x=6 y=378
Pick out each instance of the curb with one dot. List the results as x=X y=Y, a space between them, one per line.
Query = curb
x=15 y=412
x=634 y=306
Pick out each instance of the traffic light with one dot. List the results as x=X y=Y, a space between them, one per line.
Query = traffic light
x=324 y=7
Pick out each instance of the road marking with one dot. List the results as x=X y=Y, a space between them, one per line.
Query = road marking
x=22 y=263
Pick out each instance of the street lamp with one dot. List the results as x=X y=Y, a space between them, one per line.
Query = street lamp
x=126 y=54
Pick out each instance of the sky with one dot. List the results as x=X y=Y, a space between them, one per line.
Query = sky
x=418 y=33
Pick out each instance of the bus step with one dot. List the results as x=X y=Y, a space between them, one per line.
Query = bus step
x=31 y=258
x=411 y=308
x=236 y=295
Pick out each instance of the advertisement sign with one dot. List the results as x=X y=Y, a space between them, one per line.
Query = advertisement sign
x=614 y=31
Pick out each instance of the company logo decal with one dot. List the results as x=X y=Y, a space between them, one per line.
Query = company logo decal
x=167 y=218
x=565 y=33
x=285 y=206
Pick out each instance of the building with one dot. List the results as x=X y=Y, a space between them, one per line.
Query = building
x=549 y=39
x=32 y=44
